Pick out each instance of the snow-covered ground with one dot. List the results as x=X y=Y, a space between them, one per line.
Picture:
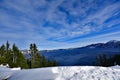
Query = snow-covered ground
x=62 y=73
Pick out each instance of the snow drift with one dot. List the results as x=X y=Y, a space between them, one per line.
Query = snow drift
x=62 y=73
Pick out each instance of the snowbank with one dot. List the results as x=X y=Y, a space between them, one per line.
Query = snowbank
x=17 y=68
x=63 y=73
x=4 y=65
x=5 y=72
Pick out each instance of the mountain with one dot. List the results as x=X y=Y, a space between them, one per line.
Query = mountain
x=80 y=56
x=110 y=44
x=84 y=55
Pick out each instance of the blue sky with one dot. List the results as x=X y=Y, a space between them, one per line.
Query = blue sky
x=54 y=24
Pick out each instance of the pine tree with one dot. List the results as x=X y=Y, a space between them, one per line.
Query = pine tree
x=43 y=61
x=7 y=47
x=17 y=58
x=101 y=60
x=117 y=59
x=55 y=63
x=15 y=51
x=32 y=55
x=21 y=61
x=2 y=50
x=49 y=63
x=2 y=54
x=35 y=57
x=8 y=53
x=37 y=61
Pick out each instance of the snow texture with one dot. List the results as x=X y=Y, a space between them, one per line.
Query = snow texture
x=62 y=73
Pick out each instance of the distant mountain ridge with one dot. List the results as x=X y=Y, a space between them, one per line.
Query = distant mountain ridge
x=109 y=44
x=83 y=55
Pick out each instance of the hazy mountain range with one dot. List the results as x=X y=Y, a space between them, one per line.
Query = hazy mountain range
x=84 y=55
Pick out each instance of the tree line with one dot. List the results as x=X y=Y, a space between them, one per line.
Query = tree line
x=14 y=57
x=106 y=61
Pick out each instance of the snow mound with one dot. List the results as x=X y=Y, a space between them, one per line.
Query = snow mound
x=18 y=68
x=116 y=67
x=63 y=73
x=89 y=73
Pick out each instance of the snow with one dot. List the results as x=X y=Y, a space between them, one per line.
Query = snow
x=116 y=67
x=6 y=65
x=113 y=41
x=18 y=68
x=62 y=73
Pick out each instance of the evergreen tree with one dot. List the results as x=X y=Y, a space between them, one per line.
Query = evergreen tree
x=15 y=52
x=32 y=55
x=21 y=61
x=7 y=47
x=43 y=61
x=117 y=59
x=37 y=61
x=103 y=60
x=17 y=57
x=2 y=50
x=49 y=63
x=2 y=55
x=55 y=63
x=35 y=57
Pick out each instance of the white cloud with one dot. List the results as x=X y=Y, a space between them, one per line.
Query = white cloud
x=103 y=14
x=78 y=28
x=29 y=16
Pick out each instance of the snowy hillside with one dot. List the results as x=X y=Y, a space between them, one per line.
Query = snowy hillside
x=63 y=73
